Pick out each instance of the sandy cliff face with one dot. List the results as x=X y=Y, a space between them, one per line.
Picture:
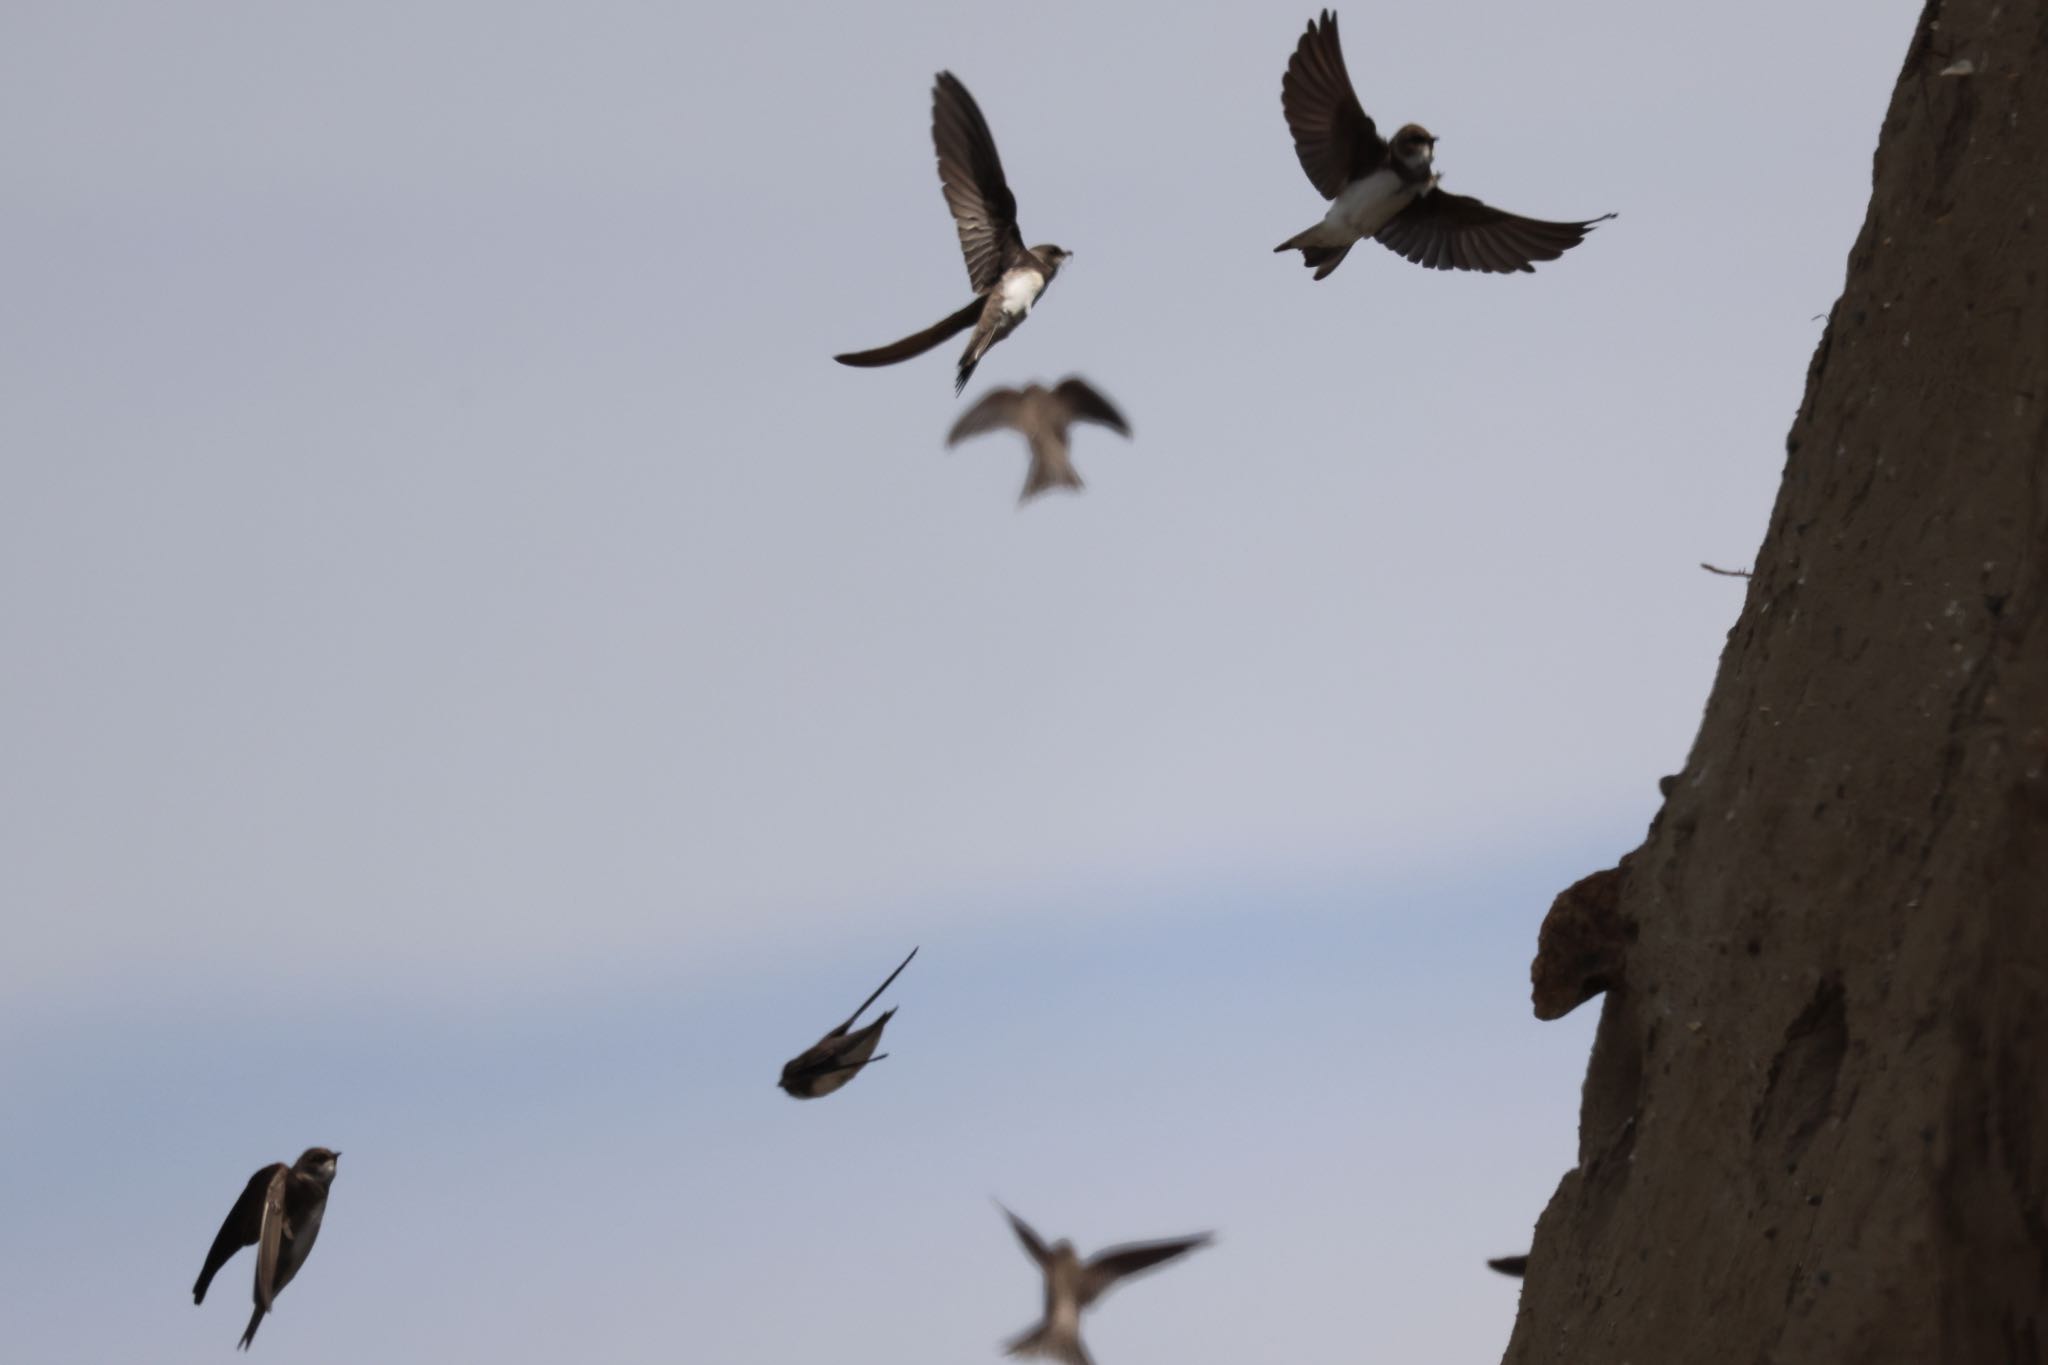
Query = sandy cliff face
x=1815 y=1122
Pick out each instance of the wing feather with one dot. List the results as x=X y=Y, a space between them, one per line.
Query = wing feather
x=1445 y=231
x=994 y=410
x=268 y=1242
x=271 y=1239
x=1085 y=403
x=984 y=210
x=873 y=998
x=1333 y=136
x=1105 y=1268
x=1032 y=1245
x=918 y=342
x=241 y=1228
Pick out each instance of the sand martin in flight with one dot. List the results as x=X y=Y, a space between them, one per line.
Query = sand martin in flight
x=1072 y=1284
x=278 y=1214
x=1043 y=415
x=1388 y=191
x=837 y=1057
x=1007 y=276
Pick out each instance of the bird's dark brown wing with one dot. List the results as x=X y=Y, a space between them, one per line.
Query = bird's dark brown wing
x=268 y=1243
x=983 y=208
x=1032 y=1245
x=1333 y=136
x=871 y=999
x=1084 y=403
x=917 y=343
x=271 y=1239
x=1457 y=232
x=1105 y=1268
x=243 y=1225
x=993 y=410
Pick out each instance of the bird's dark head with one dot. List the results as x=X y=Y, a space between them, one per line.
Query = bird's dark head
x=1414 y=146
x=317 y=1162
x=793 y=1079
x=1053 y=256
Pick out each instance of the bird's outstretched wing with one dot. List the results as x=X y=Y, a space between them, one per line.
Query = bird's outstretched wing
x=1105 y=1268
x=1457 y=232
x=983 y=208
x=918 y=342
x=1030 y=1239
x=994 y=410
x=871 y=999
x=1333 y=135
x=241 y=1228
x=1085 y=403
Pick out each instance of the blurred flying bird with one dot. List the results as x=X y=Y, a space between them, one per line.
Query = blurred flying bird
x=1072 y=1285
x=834 y=1059
x=1388 y=192
x=1510 y=1265
x=279 y=1214
x=1043 y=416
x=1007 y=276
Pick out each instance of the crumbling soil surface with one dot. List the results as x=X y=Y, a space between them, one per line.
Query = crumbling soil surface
x=1815 y=1122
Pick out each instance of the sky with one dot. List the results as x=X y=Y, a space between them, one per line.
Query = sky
x=482 y=689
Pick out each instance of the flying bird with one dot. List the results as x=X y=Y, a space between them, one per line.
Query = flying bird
x=1510 y=1265
x=279 y=1214
x=1072 y=1285
x=834 y=1059
x=1007 y=276
x=1388 y=191
x=1043 y=415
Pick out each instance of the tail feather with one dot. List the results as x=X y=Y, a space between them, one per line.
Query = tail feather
x=917 y=343
x=984 y=337
x=1051 y=467
x=249 y=1333
x=1048 y=1341
x=1319 y=255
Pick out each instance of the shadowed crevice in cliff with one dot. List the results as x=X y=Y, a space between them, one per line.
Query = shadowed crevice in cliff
x=1801 y=1085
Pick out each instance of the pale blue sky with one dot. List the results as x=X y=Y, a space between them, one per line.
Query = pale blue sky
x=482 y=688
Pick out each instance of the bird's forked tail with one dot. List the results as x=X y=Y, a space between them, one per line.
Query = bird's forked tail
x=1322 y=257
x=1051 y=1342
